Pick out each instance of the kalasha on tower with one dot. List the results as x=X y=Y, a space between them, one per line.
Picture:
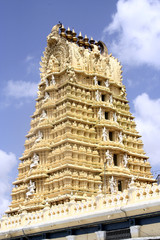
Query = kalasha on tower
x=83 y=139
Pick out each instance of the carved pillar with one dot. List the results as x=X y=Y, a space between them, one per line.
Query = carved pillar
x=101 y=235
x=71 y=237
x=135 y=231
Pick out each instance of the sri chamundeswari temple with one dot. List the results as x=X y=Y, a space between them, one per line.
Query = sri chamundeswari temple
x=84 y=173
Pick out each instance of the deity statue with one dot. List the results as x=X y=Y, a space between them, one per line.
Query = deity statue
x=113 y=185
x=107 y=83
x=115 y=116
x=46 y=96
x=35 y=161
x=71 y=74
x=132 y=183
x=120 y=136
x=40 y=136
x=109 y=158
x=104 y=134
x=100 y=114
x=31 y=188
x=53 y=82
x=47 y=82
x=98 y=96
x=100 y=188
x=43 y=115
x=125 y=160
x=95 y=80
x=110 y=99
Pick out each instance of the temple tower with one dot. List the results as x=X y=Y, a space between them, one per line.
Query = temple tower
x=83 y=138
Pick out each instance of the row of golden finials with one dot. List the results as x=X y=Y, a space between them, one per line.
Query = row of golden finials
x=70 y=35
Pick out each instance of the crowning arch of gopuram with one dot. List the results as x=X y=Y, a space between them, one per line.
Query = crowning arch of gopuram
x=83 y=151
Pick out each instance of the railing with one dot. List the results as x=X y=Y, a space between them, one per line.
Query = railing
x=73 y=208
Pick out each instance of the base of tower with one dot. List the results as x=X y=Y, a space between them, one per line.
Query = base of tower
x=135 y=213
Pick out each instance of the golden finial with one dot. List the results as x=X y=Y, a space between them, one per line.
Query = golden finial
x=86 y=43
x=80 y=40
x=91 y=43
x=74 y=36
x=63 y=34
x=69 y=34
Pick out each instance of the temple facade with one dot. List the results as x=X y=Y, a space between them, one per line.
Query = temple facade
x=83 y=153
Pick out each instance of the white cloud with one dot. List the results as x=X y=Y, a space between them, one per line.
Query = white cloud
x=136 y=29
x=21 y=89
x=32 y=65
x=7 y=163
x=147 y=113
x=29 y=58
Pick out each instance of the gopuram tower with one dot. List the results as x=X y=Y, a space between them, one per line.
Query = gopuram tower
x=83 y=141
x=83 y=137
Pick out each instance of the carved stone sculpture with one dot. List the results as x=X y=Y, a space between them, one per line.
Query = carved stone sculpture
x=113 y=185
x=109 y=158
x=100 y=114
x=53 y=82
x=107 y=83
x=115 y=116
x=125 y=160
x=46 y=97
x=111 y=99
x=35 y=161
x=95 y=80
x=43 y=115
x=98 y=96
x=120 y=136
x=31 y=189
x=104 y=134
x=39 y=137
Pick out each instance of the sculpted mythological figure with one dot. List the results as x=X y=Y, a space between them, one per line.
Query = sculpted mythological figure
x=39 y=137
x=109 y=158
x=43 y=115
x=71 y=74
x=125 y=160
x=115 y=116
x=107 y=83
x=98 y=96
x=46 y=97
x=104 y=134
x=100 y=114
x=110 y=99
x=120 y=136
x=132 y=183
x=95 y=80
x=100 y=188
x=35 y=160
x=31 y=188
x=53 y=82
x=113 y=185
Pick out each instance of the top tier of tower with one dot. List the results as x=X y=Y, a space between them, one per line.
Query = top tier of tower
x=64 y=50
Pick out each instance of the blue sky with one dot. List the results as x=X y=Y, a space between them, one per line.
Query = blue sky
x=131 y=31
